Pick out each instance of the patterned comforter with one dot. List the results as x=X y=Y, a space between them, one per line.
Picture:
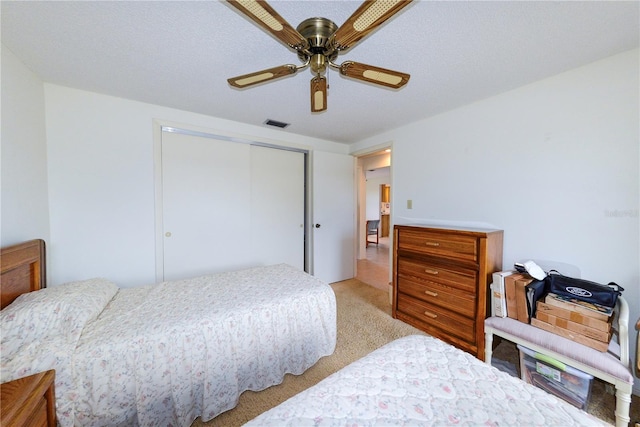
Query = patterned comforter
x=165 y=354
x=419 y=381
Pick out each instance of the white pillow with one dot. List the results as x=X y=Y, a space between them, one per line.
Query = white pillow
x=62 y=310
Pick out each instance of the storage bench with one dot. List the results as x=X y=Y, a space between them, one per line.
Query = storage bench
x=611 y=366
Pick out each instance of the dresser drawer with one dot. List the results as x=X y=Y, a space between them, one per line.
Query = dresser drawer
x=439 y=244
x=461 y=278
x=451 y=323
x=461 y=302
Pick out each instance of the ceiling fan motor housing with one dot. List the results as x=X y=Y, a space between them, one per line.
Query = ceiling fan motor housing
x=318 y=31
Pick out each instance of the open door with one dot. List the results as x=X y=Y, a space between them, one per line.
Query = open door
x=333 y=221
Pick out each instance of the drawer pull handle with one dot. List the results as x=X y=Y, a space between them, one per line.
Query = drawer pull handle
x=431 y=293
x=429 y=271
x=432 y=244
x=430 y=314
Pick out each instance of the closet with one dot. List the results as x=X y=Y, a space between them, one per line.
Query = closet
x=229 y=205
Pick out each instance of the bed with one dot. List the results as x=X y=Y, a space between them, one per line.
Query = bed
x=162 y=354
x=418 y=381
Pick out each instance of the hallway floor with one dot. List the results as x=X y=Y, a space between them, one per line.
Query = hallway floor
x=375 y=269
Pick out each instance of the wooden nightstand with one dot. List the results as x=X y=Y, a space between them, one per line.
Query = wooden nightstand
x=28 y=401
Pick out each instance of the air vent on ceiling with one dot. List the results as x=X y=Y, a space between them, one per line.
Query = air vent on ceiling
x=276 y=123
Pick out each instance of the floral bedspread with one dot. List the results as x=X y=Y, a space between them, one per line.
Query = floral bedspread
x=165 y=354
x=419 y=381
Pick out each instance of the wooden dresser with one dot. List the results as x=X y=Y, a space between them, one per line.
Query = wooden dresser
x=28 y=401
x=441 y=279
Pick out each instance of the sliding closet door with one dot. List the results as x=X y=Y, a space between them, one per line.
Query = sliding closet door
x=229 y=205
x=206 y=185
x=277 y=206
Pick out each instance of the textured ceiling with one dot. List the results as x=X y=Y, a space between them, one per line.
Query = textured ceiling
x=179 y=54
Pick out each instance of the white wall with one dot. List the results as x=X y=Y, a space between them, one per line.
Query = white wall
x=24 y=197
x=101 y=181
x=373 y=196
x=555 y=164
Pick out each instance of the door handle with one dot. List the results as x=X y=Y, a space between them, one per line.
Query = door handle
x=317 y=225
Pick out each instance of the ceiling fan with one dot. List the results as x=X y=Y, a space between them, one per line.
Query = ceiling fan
x=318 y=41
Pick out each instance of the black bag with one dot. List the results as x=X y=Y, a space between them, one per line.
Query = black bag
x=583 y=290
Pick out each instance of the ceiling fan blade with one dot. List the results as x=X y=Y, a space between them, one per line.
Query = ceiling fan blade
x=263 y=76
x=318 y=94
x=369 y=16
x=371 y=74
x=264 y=15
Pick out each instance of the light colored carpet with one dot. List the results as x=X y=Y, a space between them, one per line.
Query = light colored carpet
x=364 y=324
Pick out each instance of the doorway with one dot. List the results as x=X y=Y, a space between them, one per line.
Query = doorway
x=374 y=199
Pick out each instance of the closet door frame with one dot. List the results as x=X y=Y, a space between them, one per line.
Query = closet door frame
x=160 y=127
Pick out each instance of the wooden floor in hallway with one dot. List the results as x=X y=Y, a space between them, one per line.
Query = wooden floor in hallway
x=375 y=269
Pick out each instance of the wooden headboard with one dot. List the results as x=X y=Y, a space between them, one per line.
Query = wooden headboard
x=22 y=269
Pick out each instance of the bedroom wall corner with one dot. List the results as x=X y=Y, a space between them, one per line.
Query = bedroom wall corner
x=24 y=196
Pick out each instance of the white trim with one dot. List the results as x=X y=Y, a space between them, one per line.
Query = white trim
x=190 y=132
x=363 y=152
x=157 y=185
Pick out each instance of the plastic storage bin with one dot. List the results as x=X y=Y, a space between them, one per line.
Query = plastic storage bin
x=563 y=381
